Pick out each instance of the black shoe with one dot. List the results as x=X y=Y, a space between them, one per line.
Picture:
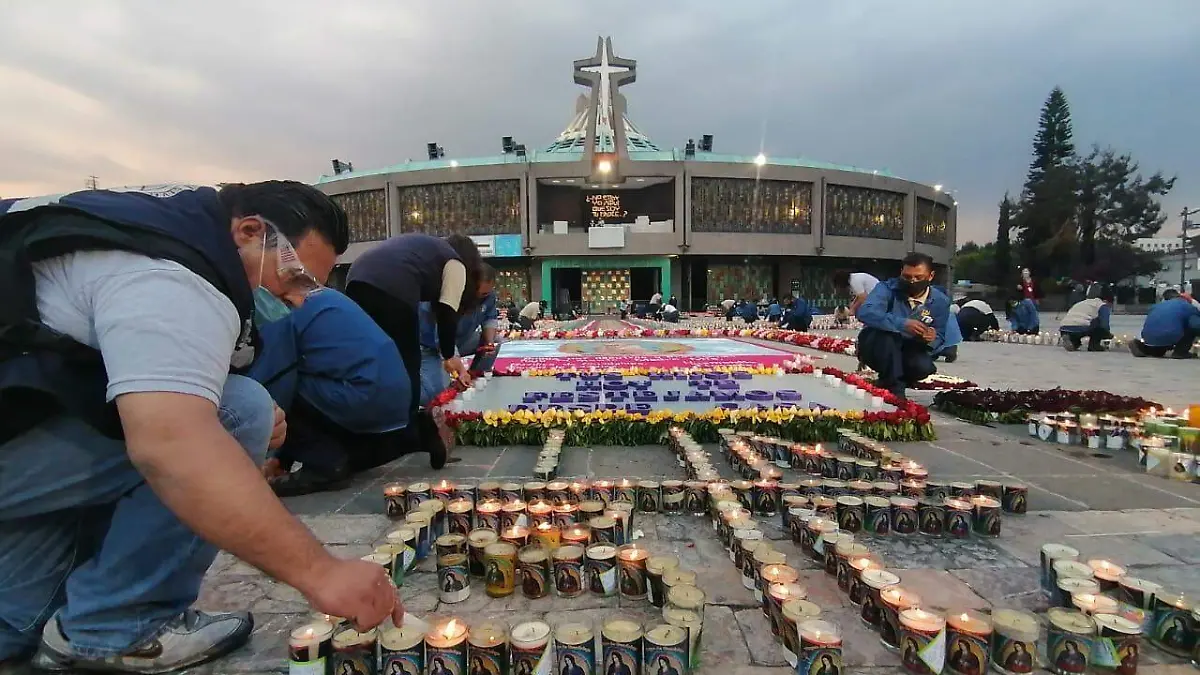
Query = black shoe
x=1098 y=347
x=952 y=355
x=1135 y=348
x=431 y=439
x=1182 y=355
x=306 y=481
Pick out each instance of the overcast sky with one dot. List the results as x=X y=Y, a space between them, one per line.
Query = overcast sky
x=940 y=91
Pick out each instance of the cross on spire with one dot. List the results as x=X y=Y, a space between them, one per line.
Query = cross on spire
x=605 y=72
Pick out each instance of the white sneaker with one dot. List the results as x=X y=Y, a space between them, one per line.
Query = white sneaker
x=189 y=639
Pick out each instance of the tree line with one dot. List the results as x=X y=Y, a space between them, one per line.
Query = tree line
x=1077 y=216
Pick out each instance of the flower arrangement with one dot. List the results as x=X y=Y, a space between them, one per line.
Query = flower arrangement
x=824 y=343
x=1012 y=407
x=789 y=366
x=909 y=422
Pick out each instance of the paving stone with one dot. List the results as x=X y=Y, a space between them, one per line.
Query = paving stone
x=339 y=529
x=231 y=592
x=1022 y=537
x=266 y=651
x=1184 y=578
x=765 y=649
x=1126 y=549
x=1014 y=587
x=1135 y=521
x=917 y=551
x=1180 y=547
x=823 y=589
x=860 y=644
x=940 y=590
x=1191 y=513
x=718 y=577
x=723 y=644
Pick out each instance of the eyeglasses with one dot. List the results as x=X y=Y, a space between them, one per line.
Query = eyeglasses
x=291 y=271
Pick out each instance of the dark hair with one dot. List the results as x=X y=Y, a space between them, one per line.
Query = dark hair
x=841 y=278
x=468 y=253
x=1170 y=294
x=1107 y=295
x=917 y=258
x=294 y=207
x=487 y=273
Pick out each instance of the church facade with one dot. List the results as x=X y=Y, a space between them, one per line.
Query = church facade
x=603 y=213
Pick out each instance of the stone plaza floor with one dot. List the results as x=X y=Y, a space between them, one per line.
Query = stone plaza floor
x=1103 y=507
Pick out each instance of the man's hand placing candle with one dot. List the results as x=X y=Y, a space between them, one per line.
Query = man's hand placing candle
x=358 y=590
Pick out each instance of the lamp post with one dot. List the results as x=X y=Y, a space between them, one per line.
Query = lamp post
x=1183 y=236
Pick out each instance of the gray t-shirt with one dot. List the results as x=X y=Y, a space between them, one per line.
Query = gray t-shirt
x=160 y=327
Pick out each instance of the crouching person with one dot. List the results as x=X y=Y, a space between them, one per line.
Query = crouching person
x=343 y=384
x=1087 y=319
x=1171 y=328
x=905 y=325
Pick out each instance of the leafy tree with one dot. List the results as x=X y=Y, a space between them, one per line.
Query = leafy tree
x=1117 y=261
x=1116 y=202
x=975 y=263
x=1003 y=251
x=1048 y=197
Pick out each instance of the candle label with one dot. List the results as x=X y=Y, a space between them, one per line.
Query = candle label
x=396 y=506
x=828 y=466
x=626 y=493
x=695 y=495
x=844 y=573
x=904 y=519
x=535 y=582
x=878 y=516
x=358 y=658
x=510 y=493
x=871 y=612
x=622 y=657
x=1117 y=652
x=958 y=523
x=986 y=520
x=766 y=499
x=602 y=575
x=454 y=582
x=845 y=468
x=605 y=535
x=484 y=660
x=1174 y=629
x=568 y=577
x=404 y=661
x=745 y=497
x=446 y=660
x=1068 y=653
x=932 y=517
x=672 y=497
x=499 y=575
x=667 y=659
x=416 y=498
x=559 y=495
x=513 y=519
x=633 y=578
x=1012 y=657
x=850 y=517
x=564 y=518
x=459 y=522
x=923 y=653
x=648 y=499
x=534 y=661
x=819 y=661
x=967 y=654
x=578 y=659
x=488 y=520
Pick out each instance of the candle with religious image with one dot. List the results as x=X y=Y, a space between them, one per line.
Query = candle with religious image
x=395 y=501
x=968 y=642
x=443 y=490
x=574 y=649
x=631 y=569
x=665 y=650
x=454 y=579
x=458 y=516
x=820 y=648
x=534 y=566
x=310 y=648
x=621 y=646
x=488 y=648
x=355 y=652
x=919 y=630
x=446 y=647
x=402 y=649
x=892 y=601
x=1014 y=643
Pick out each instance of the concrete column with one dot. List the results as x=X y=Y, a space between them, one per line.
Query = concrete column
x=910 y=221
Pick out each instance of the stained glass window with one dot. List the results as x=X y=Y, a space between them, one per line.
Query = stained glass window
x=864 y=212
x=366 y=212
x=748 y=205
x=742 y=282
x=931 y=222
x=478 y=207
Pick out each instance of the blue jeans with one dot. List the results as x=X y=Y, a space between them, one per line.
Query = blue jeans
x=82 y=533
x=467 y=345
x=434 y=380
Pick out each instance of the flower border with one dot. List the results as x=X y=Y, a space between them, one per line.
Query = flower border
x=982 y=406
x=909 y=422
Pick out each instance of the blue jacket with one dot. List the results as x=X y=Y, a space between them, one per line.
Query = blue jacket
x=800 y=311
x=333 y=355
x=748 y=312
x=774 y=309
x=487 y=315
x=886 y=308
x=1167 y=321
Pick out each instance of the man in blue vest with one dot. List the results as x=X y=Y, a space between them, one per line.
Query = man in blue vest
x=1171 y=328
x=905 y=321
x=127 y=451
x=476 y=335
x=343 y=385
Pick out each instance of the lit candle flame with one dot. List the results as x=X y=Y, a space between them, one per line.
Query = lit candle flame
x=448 y=631
x=544 y=526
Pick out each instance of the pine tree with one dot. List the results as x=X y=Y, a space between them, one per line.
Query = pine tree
x=1003 y=254
x=1048 y=197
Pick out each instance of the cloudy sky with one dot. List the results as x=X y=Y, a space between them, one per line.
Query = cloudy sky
x=941 y=91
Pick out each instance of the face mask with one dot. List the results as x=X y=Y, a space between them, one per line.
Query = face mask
x=914 y=288
x=267 y=307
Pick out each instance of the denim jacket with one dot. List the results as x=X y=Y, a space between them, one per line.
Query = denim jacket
x=886 y=308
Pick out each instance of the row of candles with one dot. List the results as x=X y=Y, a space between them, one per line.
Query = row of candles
x=1167 y=446
x=1122 y=609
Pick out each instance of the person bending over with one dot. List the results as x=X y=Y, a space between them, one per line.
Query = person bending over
x=529 y=314
x=1087 y=319
x=1171 y=328
x=344 y=387
x=975 y=317
x=905 y=324
x=129 y=450
x=799 y=315
x=857 y=284
x=392 y=279
x=476 y=335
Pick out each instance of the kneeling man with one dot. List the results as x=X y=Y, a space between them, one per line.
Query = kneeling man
x=905 y=325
